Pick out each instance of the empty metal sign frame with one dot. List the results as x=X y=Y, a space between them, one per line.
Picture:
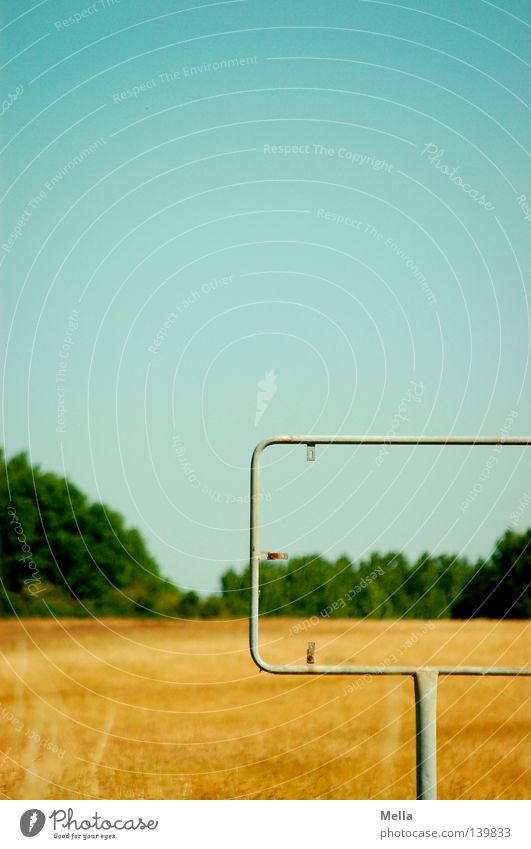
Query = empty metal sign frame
x=425 y=678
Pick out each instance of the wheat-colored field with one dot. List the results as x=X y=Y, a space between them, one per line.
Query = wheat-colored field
x=127 y=709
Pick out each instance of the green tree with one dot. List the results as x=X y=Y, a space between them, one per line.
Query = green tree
x=82 y=553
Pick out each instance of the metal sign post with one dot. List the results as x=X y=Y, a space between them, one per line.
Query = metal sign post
x=425 y=679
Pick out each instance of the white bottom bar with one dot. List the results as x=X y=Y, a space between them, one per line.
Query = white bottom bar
x=263 y=825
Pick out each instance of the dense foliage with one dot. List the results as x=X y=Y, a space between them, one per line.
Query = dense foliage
x=61 y=554
x=389 y=585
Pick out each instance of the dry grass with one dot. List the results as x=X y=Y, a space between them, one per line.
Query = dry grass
x=153 y=709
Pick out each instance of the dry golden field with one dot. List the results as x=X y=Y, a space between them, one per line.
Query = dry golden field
x=157 y=709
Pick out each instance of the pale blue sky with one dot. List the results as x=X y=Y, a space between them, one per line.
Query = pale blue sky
x=332 y=193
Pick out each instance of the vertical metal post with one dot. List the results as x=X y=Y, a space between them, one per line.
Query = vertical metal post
x=426 y=731
x=254 y=554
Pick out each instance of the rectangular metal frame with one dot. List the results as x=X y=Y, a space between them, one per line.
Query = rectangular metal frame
x=424 y=678
x=316 y=669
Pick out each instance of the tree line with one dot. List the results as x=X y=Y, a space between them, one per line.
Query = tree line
x=390 y=585
x=63 y=555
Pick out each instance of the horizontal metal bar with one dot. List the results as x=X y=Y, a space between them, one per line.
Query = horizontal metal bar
x=425 y=677
x=426 y=732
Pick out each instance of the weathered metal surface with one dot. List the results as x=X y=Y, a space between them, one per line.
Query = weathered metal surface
x=255 y=554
